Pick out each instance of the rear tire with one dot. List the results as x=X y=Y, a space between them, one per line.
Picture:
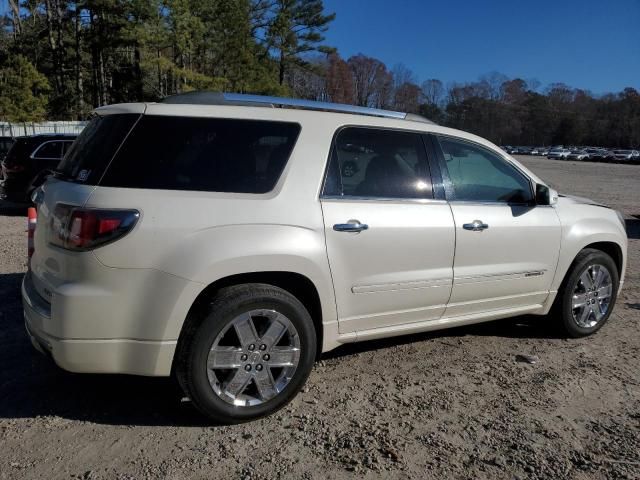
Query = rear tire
x=588 y=294
x=248 y=354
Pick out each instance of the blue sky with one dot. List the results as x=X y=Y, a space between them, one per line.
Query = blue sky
x=589 y=44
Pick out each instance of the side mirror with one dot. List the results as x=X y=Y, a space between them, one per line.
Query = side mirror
x=545 y=195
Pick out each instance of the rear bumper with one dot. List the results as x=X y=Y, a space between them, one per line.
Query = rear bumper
x=13 y=191
x=120 y=355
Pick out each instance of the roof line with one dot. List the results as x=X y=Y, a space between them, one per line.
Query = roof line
x=241 y=99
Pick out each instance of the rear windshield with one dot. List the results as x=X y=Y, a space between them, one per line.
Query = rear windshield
x=5 y=145
x=202 y=154
x=19 y=151
x=94 y=148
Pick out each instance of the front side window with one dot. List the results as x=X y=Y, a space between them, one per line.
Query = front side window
x=203 y=154
x=376 y=163
x=478 y=175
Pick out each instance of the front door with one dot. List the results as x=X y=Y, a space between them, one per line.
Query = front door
x=506 y=246
x=390 y=244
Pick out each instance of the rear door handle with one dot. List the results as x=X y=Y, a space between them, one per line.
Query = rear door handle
x=351 y=226
x=475 y=226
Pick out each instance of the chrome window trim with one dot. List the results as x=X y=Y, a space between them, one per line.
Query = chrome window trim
x=352 y=198
x=34 y=156
x=495 y=203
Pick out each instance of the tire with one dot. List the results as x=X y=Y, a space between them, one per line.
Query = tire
x=580 y=319
x=273 y=371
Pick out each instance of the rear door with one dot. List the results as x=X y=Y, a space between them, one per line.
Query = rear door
x=507 y=247
x=390 y=243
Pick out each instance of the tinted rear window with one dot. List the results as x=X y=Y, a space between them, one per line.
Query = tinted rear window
x=19 y=151
x=5 y=145
x=203 y=154
x=94 y=148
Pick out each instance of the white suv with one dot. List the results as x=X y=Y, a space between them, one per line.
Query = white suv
x=229 y=244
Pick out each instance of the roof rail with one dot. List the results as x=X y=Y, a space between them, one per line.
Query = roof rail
x=219 y=98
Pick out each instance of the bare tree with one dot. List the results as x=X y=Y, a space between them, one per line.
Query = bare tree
x=340 y=86
x=432 y=91
x=370 y=80
x=14 y=5
x=407 y=98
x=495 y=81
x=401 y=75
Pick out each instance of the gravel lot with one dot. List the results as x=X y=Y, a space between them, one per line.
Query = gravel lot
x=451 y=404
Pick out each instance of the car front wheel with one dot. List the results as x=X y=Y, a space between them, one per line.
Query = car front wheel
x=250 y=354
x=588 y=293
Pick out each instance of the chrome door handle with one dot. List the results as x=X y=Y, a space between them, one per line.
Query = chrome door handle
x=351 y=226
x=475 y=226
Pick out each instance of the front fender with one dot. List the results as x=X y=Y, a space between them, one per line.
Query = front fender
x=579 y=234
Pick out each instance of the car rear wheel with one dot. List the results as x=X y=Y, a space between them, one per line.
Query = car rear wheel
x=588 y=293
x=249 y=355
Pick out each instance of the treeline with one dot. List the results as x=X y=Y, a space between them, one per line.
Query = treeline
x=60 y=59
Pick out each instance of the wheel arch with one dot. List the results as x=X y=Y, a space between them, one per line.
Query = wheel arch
x=297 y=284
x=610 y=248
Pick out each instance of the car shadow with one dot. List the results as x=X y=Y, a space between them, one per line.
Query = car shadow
x=32 y=386
x=11 y=209
x=526 y=326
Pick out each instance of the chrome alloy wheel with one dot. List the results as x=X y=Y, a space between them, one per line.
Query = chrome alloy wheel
x=253 y=358
x=592 y=296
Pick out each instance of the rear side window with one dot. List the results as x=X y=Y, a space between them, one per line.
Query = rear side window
x=375 y=163
x=87 y=158
x=51 y=150
x=203 y=154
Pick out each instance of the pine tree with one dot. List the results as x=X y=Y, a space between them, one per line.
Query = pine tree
x=296 y=29
x=23 y=91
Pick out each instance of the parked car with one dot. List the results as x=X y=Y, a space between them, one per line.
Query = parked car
x=601 y=155
x=524 y=150
x=539 y=151
x=237 y=249
x=623 y=156
x=27 y=159
x=559 y=153
x=578 y=155
x=543 y=151
x=5 y=145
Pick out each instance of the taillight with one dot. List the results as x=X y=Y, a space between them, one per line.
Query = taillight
x=76 y=228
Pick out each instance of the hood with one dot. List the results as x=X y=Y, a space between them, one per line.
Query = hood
x=583 y=200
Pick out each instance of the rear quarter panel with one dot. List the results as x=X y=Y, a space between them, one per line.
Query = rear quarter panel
x=205 y=236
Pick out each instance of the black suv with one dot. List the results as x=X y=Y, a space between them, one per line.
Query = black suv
x=27 y=159
x=5 y=145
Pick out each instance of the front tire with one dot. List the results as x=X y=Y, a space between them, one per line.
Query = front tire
x=588 y=294
x=249 y=355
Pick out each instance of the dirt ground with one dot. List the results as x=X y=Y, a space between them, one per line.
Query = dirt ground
x=451 y=404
